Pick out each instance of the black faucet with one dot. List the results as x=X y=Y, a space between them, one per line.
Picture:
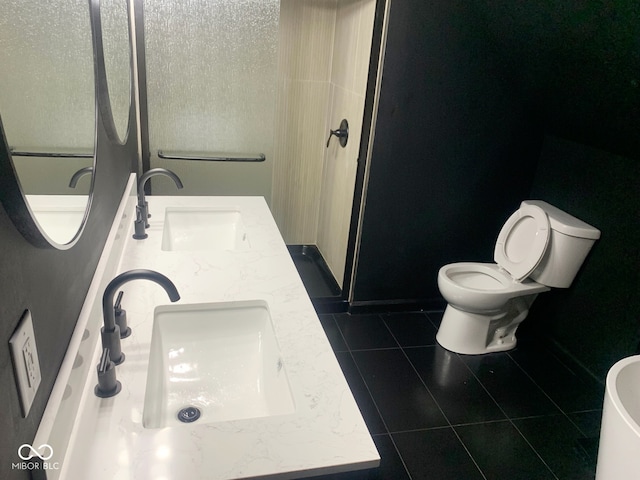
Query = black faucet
x=142 y=209
x=110 y=332
x=80 y=173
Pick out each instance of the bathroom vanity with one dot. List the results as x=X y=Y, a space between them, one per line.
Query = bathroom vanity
x=244 y=329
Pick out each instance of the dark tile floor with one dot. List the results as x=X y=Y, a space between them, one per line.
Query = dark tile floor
x=433 y=414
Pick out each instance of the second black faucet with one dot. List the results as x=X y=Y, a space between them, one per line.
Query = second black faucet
x=142 y=209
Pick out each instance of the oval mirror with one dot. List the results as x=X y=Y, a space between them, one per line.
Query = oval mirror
x=116 y=50
x=47 y=105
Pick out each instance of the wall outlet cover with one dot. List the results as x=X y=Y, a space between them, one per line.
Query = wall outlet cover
x=26 y=365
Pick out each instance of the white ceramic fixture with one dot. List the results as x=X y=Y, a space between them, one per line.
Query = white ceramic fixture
x=221 y=359
x=618 y=457
x=198 y=229
x=60 y=223
x=59 y=217
x=539 y=246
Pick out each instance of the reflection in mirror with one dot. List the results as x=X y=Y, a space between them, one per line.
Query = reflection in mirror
x=47 y=103
x=115 y=43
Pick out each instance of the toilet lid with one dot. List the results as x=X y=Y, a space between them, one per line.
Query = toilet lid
x=522 y=241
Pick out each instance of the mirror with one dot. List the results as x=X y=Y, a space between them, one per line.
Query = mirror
x=47 y=104
x=116 y=47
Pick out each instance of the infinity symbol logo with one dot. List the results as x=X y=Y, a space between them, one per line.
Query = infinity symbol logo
x=47 y=452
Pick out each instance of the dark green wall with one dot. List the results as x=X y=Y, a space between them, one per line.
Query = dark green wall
x=476 y=96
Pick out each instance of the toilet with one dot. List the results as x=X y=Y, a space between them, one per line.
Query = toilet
x=539 y=247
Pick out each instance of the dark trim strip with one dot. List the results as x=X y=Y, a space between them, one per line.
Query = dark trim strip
x=369 y=114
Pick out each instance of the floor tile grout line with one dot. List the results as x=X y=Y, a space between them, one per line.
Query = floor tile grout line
x=533 y=448
x=372 y=349
x=466 y=449
x=405 y=349
x=581 y=412
x=484 y=422
x=375 y=404
x=431 y=321
x=508 y=418
x=436 y=402
x=546 y=394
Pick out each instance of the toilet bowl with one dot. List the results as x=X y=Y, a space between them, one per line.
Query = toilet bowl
x=539 y=247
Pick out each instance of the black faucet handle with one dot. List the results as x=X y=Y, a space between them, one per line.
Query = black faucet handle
x=116 y=306
x=120 y=315
x=108 y=385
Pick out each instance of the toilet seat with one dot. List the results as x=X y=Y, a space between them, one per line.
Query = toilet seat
x=522 y=241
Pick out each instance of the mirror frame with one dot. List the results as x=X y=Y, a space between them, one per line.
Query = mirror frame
x=103 y=99
x=13 y=200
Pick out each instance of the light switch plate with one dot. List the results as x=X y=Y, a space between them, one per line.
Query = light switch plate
x=26 y=365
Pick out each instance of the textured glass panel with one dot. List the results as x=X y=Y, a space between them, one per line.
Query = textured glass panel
x=211 y=71
x=115 y=39
x=47 y=100
x=46 y=79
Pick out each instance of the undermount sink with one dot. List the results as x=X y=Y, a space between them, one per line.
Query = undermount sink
x=60 y=223
x=196 y=229
x=214 y=362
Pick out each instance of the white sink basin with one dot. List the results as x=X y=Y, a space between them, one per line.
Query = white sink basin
x=620 y=431
x=219 y=358
x=205 y=228
x=60 y=223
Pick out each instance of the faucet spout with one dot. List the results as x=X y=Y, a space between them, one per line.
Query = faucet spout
x=152 y=173
x=77 y=175
x=142 y=203
x=110 y=331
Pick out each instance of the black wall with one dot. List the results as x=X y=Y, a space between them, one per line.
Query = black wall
x=475 y=96
x=596 y=320
x=53 y=283
x=455 y=151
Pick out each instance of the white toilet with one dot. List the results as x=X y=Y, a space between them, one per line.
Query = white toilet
x=539 y=246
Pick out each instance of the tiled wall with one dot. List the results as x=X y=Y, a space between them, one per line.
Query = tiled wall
x=323 y=64
x=352 y=46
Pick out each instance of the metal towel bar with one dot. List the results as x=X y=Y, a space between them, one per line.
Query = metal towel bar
x=50 y=154
x=206 y=158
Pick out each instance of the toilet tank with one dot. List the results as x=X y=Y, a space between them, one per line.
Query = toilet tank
x=570 y=241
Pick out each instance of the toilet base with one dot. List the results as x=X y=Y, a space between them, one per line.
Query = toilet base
x=475 y=334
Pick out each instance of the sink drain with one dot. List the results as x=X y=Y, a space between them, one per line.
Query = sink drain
x=189 y=414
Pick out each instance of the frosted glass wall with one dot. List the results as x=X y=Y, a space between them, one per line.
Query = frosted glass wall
x=47 y=99
x=211 y=73
x=115 y=44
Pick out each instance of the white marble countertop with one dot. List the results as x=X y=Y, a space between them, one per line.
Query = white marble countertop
x=326 y=433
